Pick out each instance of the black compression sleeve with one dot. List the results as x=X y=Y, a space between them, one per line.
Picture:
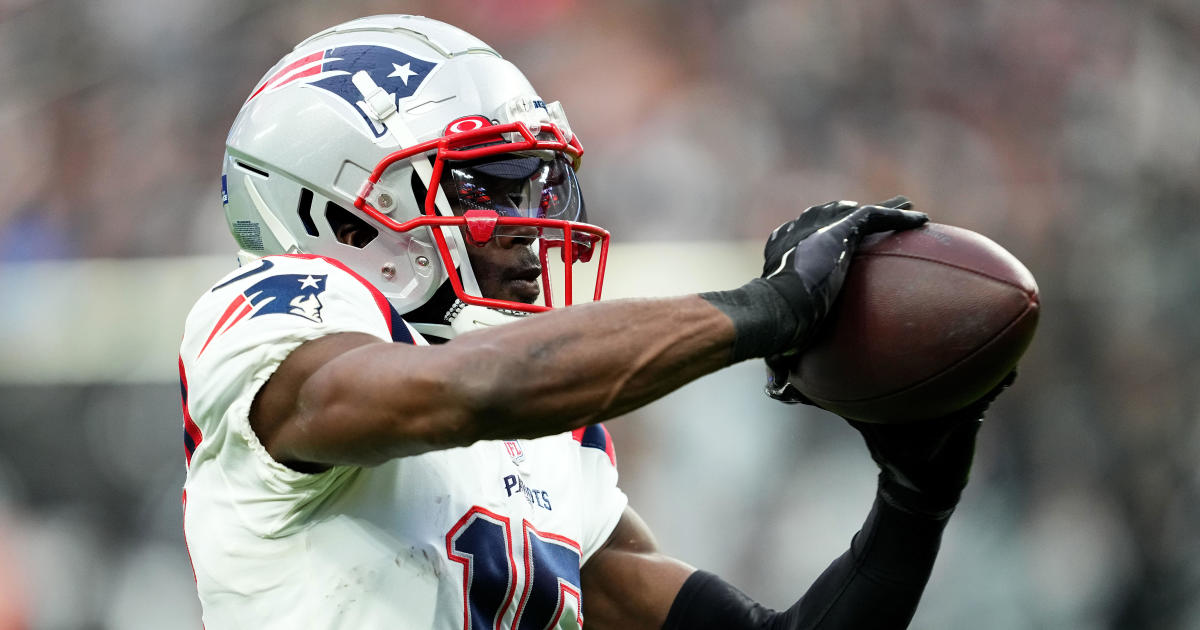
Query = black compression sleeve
x=877 y=583
x=763 y=322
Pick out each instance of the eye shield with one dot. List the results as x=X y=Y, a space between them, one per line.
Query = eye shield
x=517 y=186
x=502 y=180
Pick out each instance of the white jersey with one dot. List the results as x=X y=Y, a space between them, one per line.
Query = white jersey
x=487 y=536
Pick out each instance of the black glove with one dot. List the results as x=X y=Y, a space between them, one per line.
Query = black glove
x=779 y=366
x=779 y=370
x=805 y=261
x=924 y=465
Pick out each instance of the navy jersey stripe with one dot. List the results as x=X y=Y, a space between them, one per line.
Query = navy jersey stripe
x=266 y=264
x=400 y=331
x=189 y=443
x=595 y=437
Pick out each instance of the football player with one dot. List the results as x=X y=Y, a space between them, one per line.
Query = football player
x=386 y=426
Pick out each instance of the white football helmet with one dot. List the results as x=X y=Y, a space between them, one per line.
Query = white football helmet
x=421 y=134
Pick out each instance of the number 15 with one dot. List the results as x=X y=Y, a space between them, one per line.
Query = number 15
x=482 y=542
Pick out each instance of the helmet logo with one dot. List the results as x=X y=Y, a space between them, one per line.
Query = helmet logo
x=471 y=123
x=467 y=123
x=397 y=73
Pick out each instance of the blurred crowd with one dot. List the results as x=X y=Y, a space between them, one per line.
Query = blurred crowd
x=1067 y=131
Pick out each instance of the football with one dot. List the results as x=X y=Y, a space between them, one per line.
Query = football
x=928 y=321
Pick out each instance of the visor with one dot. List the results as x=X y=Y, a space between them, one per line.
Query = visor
x=521 y=186
x=515 y=186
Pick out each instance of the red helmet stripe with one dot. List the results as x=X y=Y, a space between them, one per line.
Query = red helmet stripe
x=281 y=78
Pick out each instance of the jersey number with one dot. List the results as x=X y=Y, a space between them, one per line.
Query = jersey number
x=482 y=542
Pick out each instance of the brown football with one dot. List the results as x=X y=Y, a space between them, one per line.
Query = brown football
x=928 y=321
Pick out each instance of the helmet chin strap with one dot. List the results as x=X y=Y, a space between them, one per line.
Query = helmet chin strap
x=477 y=317
x=463 y=318
x=445 y=316
x=383 y=107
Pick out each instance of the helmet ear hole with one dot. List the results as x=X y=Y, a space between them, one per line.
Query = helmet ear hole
x=348 y=228
x=304 y=209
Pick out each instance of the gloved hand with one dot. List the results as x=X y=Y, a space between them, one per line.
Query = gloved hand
x=779 y=369
x=806 y=259
x=805 y=262
x=924 y=465
x=799 y=281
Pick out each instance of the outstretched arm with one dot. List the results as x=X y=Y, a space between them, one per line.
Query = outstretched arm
x=877 y=583
x=353 y=399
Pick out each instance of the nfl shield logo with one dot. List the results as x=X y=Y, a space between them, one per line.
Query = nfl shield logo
x=514 y=450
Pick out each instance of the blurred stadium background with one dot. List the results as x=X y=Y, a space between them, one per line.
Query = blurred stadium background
x=1067 y=131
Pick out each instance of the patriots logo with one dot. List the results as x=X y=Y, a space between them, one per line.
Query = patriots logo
x=289 y=293
x=397 y=73
x=284 y=294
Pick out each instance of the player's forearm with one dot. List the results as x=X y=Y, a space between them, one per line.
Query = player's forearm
x=569 y=368
x=877 y=583
x=539 y=376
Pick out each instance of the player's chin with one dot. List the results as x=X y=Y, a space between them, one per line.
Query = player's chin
x=523 y=291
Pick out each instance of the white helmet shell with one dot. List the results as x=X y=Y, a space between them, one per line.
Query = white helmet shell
x=314 y=129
